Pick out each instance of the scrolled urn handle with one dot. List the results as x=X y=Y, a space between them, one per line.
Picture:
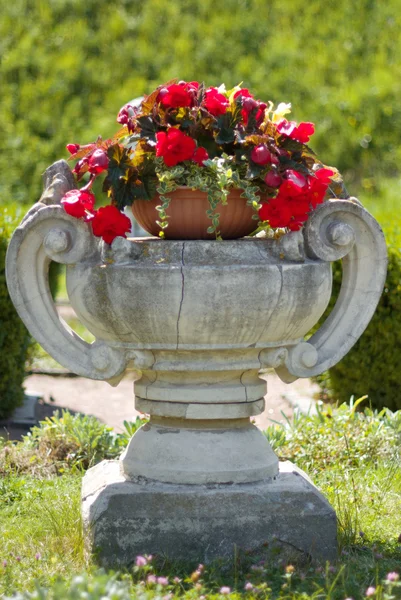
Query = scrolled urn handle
x=50 y=234
x=341 y=229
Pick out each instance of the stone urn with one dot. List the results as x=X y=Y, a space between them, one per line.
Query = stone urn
x=199 y=322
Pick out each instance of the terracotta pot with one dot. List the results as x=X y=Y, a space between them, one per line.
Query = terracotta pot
x=188 y=219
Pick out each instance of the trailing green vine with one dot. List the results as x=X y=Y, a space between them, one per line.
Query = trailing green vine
x=216 y=178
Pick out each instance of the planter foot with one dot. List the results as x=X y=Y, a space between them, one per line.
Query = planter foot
x=285 y=514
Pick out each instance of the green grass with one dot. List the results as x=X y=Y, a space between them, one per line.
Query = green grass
x=353 y=458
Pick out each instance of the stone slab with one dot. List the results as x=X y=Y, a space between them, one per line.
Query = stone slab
x=124 y=518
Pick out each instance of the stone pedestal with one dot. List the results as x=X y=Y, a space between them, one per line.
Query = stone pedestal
x=285 y=513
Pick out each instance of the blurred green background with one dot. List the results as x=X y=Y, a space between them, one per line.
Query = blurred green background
x=67 y=66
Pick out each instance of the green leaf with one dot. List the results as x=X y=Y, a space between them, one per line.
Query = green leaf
x=148 y=129
x=289 y=144
x=226 y=134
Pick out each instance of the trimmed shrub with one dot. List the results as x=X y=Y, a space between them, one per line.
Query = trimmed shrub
x=14 y=338
x=373 y=365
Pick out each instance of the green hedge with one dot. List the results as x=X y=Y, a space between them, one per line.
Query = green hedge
x=64 y=78
x=373 y=365
x=14 y=338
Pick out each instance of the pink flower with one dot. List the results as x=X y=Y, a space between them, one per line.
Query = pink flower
x=141 y=561
x=393 y=576
x=248 y=587
x=225 y=590
x=77 y=202
x=371 y=591
x=151 y=579
x=162 y=580
x=109 y=223
x=38 y=556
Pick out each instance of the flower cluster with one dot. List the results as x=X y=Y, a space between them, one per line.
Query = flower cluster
x=208 y=138
x=107 y=222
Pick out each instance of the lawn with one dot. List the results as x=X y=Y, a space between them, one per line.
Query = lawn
x=353 y=457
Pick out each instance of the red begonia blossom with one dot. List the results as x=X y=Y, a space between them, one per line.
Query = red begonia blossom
x=126 y=116
x=174 y=146
x=276 y=212
x=77 y=202
x=261 y=155
x=301 y=133
x=273 y=179
x=98 y=162
x=108 y=223
x=215 y=102
x=296 y=197
x=200 y=155
x=318 y=184
x=249 y=104
x=296 y=177
x=175 y=96
x=73 y=148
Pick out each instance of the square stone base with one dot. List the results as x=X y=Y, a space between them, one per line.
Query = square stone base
x=123 y=519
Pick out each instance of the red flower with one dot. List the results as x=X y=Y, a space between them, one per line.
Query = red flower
x=73 y=148
x=192 y=86
x=175 y=96
x=109 y=223
x=98 y=162
x=81 y=167
x=273 y=179
x=318 y=185
x=296 y=177
x=77 y=202
x=174 y=146
x=249 y=104
x=244 y=93
x=301 y=133
x=200 y=155
x=126 y=116
x=261 y=155
x=296 y=197
x=215 y=102
x=277 y=212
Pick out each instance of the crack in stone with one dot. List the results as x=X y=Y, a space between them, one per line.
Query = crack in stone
x=242 y=383
x=182 y=293
x=280 y=270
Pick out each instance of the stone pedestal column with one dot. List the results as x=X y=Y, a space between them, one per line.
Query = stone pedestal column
x=198 y=322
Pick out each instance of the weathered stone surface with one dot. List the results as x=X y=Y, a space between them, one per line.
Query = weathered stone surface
x=201 y=523
x=195 y=451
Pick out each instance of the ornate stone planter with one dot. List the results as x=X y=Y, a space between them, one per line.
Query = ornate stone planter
x=199 y=321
